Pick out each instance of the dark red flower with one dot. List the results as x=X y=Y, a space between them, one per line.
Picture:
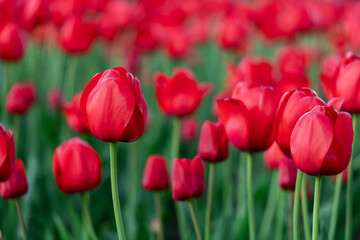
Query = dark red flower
x=248 y=116
x=21 y=97
x=188 y=178
x=287 y=174
x=321 y=141
x=73 y=115
x=17 y=185
x=179 y=95
x=7 y=153
x=76 y=166
x=12 y=43
x=156 y=177
x=113 y=106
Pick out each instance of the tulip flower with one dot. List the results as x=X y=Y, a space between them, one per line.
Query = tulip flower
x=292 y=106
x=189 y=129
x=327 y=70
x=17 y=185
x=73 y=115
x=179 y=95
x=7 y=153
x=272 y=156
x=292 y=61
x=55 y=99
x=113 y=107
x=287 y=174
x=177 y=43
x=12 y=43
x=20 y=98
x=155 y=176
x=35 y=12
x=76 y=166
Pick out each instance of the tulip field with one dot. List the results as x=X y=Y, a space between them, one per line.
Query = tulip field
x=179 y=120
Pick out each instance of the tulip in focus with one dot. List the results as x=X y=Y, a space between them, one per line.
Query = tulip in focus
x=21 y=97
x=17 y=185
x=7 y=153
x=73 y=115
x=113 y=106
x=76 y=167
x=156 y=177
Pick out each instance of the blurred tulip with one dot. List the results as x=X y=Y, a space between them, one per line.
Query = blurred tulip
x=12 y=43
x=180 y=95
x=289 y=82
x=113 y=106
x=248 y=116
x=351 y=24
x=188 y=178
x=344 y=176
x=213 y=143
x=189 y=129
x=35 y=12
x=287 y=174
x=77 y=36
x=321 y=141
x=73 y=115
x=292 y=61
x=7 y=153
x=292 y=106
x=177 y=43
x=234 y=34
x=17 y=185
x=21 y=97
x=273 y=156
x=156 y=177
x=55 y=98
x=76 y=167
x=345 y=82
x=327 y=71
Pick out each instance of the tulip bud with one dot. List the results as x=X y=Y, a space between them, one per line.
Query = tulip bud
x=189 y=129
x=292 y=106
x=179 y=95
x=7 y=153
x=17 y=184
x=213 y=143
x=273 y=156
x=156 y=177
x=287 y=174
x=248 y=116
x=12 y=43
x=113 y=106
x=188 y=179
x=321 y=141
x=55 y=98
x=20 y=98
x=73 y=115
x=76 y=167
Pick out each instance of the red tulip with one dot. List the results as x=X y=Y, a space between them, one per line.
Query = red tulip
x=327 y=70
x=287 y=174
x=36 y=12
x=233 y=33
x=292 y=61
x=345 y=83
x=76 y=166
x=113 y=106
x=21 y=97
x=7 y=153
x=188 y=178
x=17 y=185
x=77 y=36
x=12 y=43
x=292 y=106
x=213 y=143
x=273 y=156
x=351 y=24
x=156 y=177
x=248 y=116
x=180 y=94
x=321 y=141
x=55 y=98
x=189 y=129
x=177 y=43
x=73 y=115
x=344 y=176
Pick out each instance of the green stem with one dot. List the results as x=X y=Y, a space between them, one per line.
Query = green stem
x=21 y=219
x=316 y=208
x=250 y=197
x=209 y=201
x=270 y=207
x=71 y=75
x=87 y=218
x=280 y=216
x=290 y=226
x=349 y=193
x=296 y=205
x=157 y=199
x=335 y=207
x=304 y=207
x=193 y=217
x=115 y=192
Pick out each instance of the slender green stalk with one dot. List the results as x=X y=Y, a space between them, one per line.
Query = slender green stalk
x=349 y=192
x=304 y=207
x=71 y=75
x=290 y=226
x=21 y=219
x=270 y=208
x=87 y=218
x=296 y=205
x=115 y=192
x=157 y=199
x=280 y=216
x=209 y=201
x=335 y=207
x=250 y=197
x=195 y=222
x=315 y=229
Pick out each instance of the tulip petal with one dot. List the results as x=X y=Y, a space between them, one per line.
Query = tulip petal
x=336 y=102
x=208 y=147
x=197 y=174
